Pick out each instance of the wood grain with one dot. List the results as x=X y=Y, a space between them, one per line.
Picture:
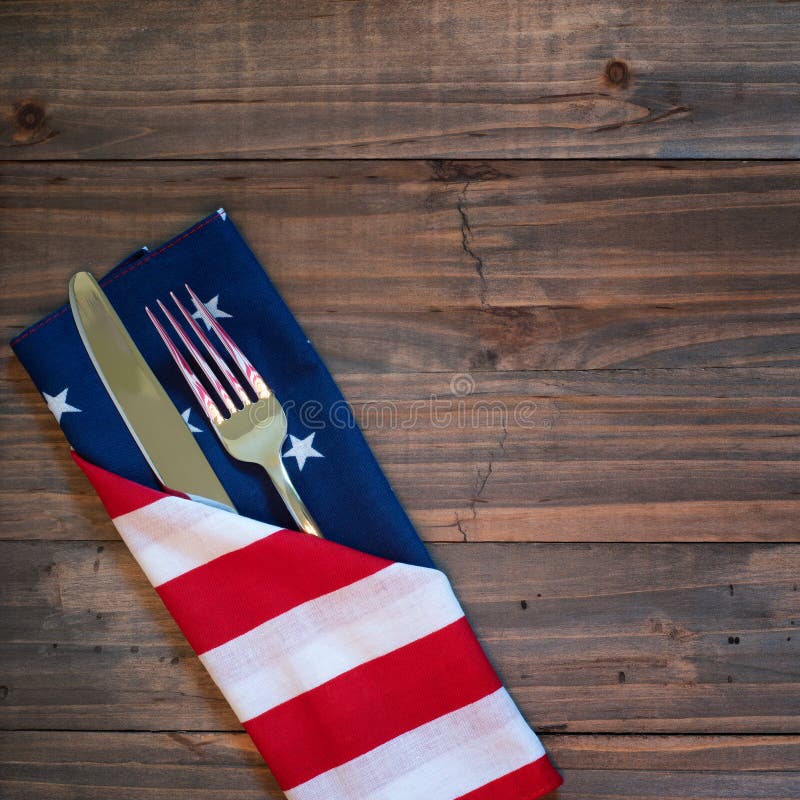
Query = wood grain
x=589 y=638
x=144 y=766
x=455 y=266
x=395 y=79
x=645 y=455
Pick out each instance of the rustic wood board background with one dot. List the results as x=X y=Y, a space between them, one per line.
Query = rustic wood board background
x=439 y=191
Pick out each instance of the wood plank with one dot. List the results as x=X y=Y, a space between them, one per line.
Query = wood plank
x=599 y=455
x=133 y=766
x=313 y=79
x=664 y=455
x=455 y=266
x=589 y=638
x=143 y=766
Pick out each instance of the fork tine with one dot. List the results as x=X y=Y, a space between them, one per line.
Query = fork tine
x=248 y=370
x=199 y=360
x=204 y=398
x=212 y=351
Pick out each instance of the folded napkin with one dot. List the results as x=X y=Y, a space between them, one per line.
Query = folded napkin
x=348 y=660
x=328 y=459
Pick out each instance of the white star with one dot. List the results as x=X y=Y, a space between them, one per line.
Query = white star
x=213 y=306
x=192 y=428
x=302 y=449
x=58 y=405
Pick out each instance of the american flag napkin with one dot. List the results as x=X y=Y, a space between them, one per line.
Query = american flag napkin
x=348 y=660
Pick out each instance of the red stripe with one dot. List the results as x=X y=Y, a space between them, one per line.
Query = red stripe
x=119 y=495
x=373 y=703
x=527 y=783
x=238 y=591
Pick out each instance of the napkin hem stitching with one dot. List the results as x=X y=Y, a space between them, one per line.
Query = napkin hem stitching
x=107 y=281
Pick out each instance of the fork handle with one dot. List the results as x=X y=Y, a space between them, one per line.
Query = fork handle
x=297 y=508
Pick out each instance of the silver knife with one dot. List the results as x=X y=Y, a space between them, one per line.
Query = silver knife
x=152 y=419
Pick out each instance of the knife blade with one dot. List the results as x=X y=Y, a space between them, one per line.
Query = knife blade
x=151 y=417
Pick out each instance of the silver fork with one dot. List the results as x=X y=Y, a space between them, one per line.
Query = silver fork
x=254 y=431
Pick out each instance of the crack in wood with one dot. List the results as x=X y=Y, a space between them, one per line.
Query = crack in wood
x=466 y=245
x=651 y=116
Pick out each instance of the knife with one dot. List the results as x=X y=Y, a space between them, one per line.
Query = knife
x=155 y=424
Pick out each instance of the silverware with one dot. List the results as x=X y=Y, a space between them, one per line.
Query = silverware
x=255 y=429
x=155 y=424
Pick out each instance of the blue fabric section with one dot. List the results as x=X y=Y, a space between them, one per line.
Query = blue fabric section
x=344 y=488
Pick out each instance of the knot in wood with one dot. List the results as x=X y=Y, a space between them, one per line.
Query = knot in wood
x=30 y=115
x=617 y=73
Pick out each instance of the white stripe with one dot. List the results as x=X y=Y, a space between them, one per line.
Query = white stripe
x=174 y=535
x=441 y=760
x=327 y=636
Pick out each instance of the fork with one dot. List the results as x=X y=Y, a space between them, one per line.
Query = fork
x=256 y=429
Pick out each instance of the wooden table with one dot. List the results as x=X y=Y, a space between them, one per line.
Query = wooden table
x=587 y=208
